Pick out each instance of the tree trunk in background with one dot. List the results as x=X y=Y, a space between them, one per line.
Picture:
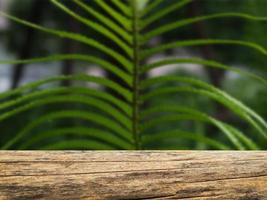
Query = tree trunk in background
x=35 y=15
x=216 y=76
x=70 y=47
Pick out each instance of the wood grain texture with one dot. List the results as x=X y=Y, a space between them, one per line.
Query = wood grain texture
x=197 y=175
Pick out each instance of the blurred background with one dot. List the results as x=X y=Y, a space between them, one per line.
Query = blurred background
x=19 y=42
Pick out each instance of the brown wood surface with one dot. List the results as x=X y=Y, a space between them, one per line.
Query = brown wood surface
x=196 y=175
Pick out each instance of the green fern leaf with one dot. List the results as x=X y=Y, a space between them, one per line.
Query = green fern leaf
x=119 y=114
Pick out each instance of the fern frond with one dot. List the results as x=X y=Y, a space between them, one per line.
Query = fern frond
x=90 y=59
x=88 y=116
x=106 y=21
x=76 y=37
x=175 y=134
x=80 y=57
x=97 y=103
x=212 y=92
x=232 y=133
x=150 y=7
x=101 y=29
x=204 y=63
x=198 y=42
x=235 y=106
x=126 y=23
x=122 y=7
x=179 y=117
x=78 y=144
x=90 y=133
x=165 y=11
x=80 y=77
x=119 y=115
x=180 y=23
x=124 y=107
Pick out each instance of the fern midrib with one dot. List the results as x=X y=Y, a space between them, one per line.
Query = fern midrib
x=136 y=73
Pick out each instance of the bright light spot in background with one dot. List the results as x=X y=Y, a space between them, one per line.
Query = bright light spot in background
x=4 y=84
x=94 y=71
x=40 y=71
x=32 y=72
x=168 y=69
x=3 y=7
x=3 y=22
x=5 y=70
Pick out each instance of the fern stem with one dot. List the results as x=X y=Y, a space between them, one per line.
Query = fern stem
x=136 y=73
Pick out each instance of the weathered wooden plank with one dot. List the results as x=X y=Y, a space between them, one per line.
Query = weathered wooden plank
x=133 y=175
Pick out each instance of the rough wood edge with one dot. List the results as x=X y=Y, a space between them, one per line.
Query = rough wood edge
x=194 y=175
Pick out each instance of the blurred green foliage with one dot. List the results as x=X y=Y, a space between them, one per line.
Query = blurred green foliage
x=247 y=90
